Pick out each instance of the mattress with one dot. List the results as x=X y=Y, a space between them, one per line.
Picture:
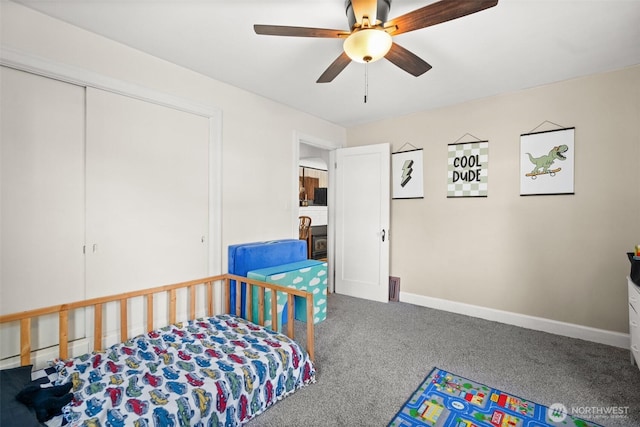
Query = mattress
x=217 y=371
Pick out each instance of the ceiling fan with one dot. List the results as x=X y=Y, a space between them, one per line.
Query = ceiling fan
x=370 y=35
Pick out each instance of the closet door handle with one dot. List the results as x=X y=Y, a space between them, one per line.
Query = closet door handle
x=383 y=234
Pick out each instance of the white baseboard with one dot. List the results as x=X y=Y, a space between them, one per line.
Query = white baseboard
x=41 y=358
x=616 y=339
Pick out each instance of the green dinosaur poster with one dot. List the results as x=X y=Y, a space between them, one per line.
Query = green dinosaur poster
x=547 y=162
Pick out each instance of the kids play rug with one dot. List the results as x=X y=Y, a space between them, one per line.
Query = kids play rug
x=447 y=400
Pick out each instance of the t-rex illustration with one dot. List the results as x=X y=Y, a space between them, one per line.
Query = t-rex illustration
x=543 y=163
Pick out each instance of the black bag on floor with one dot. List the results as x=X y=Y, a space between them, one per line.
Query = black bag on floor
x=635 y=269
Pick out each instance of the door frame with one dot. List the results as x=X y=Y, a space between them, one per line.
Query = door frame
x=323 y=144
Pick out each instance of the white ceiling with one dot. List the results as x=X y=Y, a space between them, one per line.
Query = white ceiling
x=516 y=45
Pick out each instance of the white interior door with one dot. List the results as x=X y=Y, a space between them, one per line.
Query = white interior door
x=362 y=221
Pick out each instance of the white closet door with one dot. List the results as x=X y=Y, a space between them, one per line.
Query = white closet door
x=147 y=194
x=42 y=203
x=42 y=172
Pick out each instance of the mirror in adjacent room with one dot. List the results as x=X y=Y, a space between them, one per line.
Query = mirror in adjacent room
x=313 y=186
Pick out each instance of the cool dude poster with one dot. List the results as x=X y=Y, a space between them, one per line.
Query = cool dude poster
x=468 y=169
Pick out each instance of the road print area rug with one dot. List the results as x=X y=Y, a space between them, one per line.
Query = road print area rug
x=447 y=400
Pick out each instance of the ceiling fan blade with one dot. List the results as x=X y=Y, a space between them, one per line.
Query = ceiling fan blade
x=436 y=13
x=335 y=68
x=281 y=30
x=365 y=8
x=406 y=60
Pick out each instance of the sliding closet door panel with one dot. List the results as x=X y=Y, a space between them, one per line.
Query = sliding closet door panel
x=42 y=202
x=147 y=194
x=42 y=191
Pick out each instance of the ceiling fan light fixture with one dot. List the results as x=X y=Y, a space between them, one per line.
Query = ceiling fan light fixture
x=367 y=45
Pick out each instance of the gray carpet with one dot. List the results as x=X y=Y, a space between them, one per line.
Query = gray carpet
x=370 y=357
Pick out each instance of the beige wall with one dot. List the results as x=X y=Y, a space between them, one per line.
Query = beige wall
x=558 y=257
x=259 y=165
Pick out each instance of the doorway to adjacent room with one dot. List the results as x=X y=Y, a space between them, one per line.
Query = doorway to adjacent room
x=313 y=195
x=313 y=201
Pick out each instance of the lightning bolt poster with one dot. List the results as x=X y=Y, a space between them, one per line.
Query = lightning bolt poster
x=406 y=167
x=468 y=170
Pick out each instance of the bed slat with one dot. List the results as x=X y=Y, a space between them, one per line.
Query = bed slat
x=261 y=306
x=25 y=341
x=226 y=297
x=124 y=321
x=172 y=306
x=192 y=302
x=97 y=327
x=274 y=309
x=209 y=296
x=290 y=314
x=238 y=308
x=63 y=335
x=249 y=305
x=310 y=324
x=150 y=313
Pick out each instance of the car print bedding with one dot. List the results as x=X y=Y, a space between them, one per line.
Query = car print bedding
x=216 y=371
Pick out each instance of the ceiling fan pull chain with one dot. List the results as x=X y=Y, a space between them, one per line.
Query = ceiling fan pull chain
x=366 y=81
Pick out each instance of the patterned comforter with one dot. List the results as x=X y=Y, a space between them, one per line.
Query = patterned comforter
x=218 y=371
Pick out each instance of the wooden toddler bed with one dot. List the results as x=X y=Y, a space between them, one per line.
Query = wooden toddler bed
x=211 y=370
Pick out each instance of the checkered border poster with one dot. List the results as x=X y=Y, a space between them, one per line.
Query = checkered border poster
x=468 y=169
